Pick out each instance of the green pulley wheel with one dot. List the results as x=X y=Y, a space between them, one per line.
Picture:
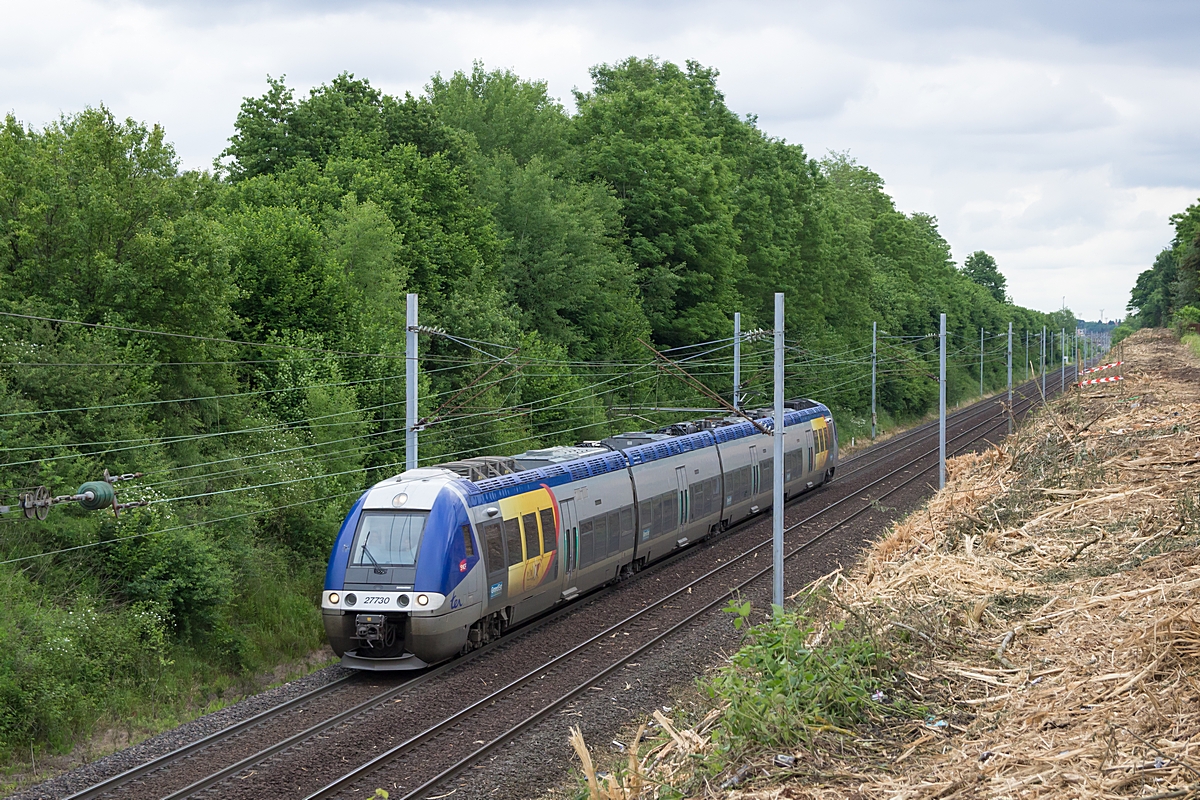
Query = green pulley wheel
x=96 y=495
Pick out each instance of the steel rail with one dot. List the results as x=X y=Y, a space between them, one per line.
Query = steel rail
x=164 y=760
x=362 y=771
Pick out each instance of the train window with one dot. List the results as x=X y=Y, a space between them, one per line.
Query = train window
x=600 y=542
x=468 y=542
x=532 y=543
x=627 y=530
x=493 y=535
x=512 y=537
x=614 y=531
x=386 y=537
x=767 y=473
x=666 y=513
x=700 y=500
x=810 y=459
x=549 y=530
x=645 y=515
x=585 y=543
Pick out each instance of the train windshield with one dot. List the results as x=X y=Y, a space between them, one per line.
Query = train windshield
x=388 y=538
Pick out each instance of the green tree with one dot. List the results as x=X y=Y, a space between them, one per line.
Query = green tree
x=645 y=129
x=1150 y=299
x=982 y=269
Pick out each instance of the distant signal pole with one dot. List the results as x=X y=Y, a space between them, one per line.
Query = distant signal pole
x=777 y=466
x=737 y=358
x=942 y=409
x=410 y=385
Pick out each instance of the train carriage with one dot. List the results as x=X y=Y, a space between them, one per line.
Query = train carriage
x=439 y=560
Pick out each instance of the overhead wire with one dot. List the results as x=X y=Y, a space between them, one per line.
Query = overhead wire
x=195 y=337
x=187 y=526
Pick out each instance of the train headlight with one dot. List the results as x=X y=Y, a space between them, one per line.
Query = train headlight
x=422 y=599
x=402 y=600
x=351 y=599
x=333 y=598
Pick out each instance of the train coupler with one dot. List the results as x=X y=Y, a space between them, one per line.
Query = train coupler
x=374 y=630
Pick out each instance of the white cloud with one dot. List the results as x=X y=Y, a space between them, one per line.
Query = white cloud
x=1058 y=137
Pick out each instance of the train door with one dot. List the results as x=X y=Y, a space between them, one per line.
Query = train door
x=767 y=467
x=808 y=442
x=497 y=566
x=821 y=432
x=681 y=480
x=570 y=541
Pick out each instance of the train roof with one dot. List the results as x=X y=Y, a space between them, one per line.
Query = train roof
x=560 y=468
x=532 y=459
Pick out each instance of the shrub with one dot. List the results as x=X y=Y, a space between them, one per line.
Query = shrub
x=180 y=573
x=1121 y=332
x=782 y=685
x=1186 y=318
x=62 y=666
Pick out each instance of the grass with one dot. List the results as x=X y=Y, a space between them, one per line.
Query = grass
x=787 y=683
x=801 y=682
x=1192 y=342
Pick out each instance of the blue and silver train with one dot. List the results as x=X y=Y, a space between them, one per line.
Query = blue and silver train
x=440 y=560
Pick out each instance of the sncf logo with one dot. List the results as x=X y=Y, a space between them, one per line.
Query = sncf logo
x=462 y=565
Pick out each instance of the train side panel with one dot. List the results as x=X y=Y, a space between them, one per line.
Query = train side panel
x=742 y=450
x=679 y=488
x=602 y=534
x=552 y=533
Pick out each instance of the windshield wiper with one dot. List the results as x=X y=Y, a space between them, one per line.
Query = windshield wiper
x=378 y=570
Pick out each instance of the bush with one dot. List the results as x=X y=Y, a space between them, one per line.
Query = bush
x=180 y=573
x=1186 y=318
x=782 y=685
x=61 y=667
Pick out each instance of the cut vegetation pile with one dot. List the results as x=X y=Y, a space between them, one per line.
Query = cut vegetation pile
x=1033 y=632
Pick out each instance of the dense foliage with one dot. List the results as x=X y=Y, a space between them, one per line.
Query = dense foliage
x=245 y=334
x=1170 y=290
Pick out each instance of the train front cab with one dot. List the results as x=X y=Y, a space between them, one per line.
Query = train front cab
x=403 y=584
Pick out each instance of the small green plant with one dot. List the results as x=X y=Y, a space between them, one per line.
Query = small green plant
x=740 y=612
x=786 y=684
x=1188 y=315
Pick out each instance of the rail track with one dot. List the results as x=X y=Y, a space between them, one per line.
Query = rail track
x=429 y=739
x=354 y=715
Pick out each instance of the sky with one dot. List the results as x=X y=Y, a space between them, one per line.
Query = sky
x=1057 y=136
